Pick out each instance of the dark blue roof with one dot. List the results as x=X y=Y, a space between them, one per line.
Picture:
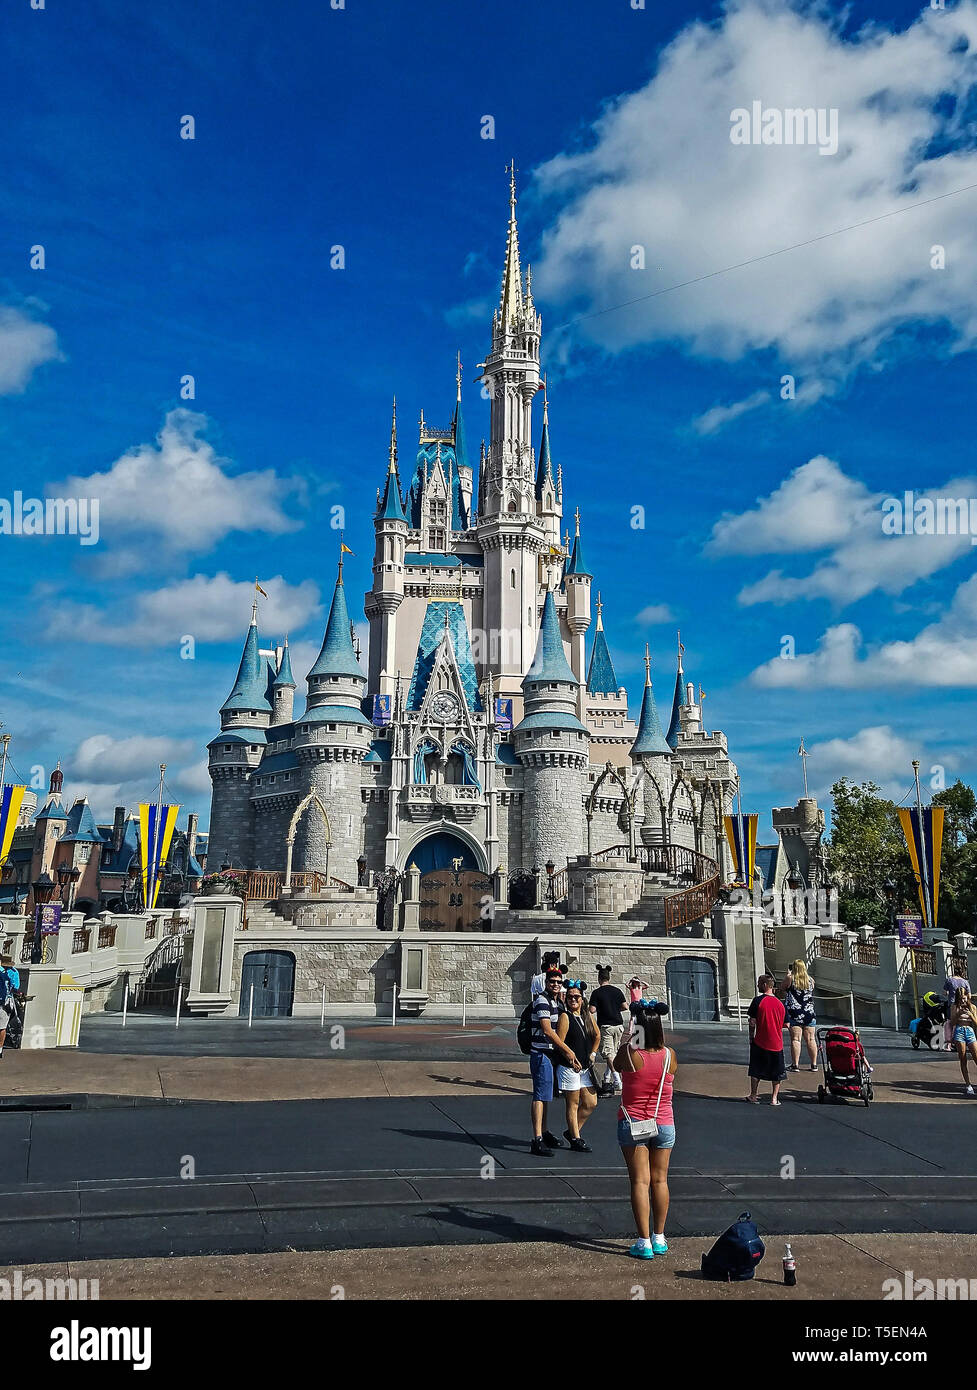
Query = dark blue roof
x=765 y=860
x=426 y=459
x=240 y=734
x=117 y=863
x=544 y=469
x=550 y=719
x=550 y=662
x=277 y=762
x=430 y=557
x=601 y=679
x=250 y=689
x=334 y=714
x=284 y=677
x=650 y=738
x=380 y=751
x=678 y=702
x=506 y=755
x=432 y=631
x=81 y=825
x=576 y=564
x=392 y=506
x=52 y=810
x=336 y=656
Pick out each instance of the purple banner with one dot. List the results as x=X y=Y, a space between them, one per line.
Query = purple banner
x=503 y=714
x=47 y=919
x=910 y=929
x=381 y=710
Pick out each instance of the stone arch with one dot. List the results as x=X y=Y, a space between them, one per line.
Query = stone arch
x=312 y=799
x=682 y=781
x=446 y=827
x=610 y=771
x=645 y=776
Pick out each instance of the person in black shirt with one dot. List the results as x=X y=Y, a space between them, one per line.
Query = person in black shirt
x=609 y=1009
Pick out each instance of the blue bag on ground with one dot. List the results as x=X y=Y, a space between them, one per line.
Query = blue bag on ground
x=736 y=1253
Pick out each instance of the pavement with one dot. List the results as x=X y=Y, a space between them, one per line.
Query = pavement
x=852 y=1266
x=416 y=1158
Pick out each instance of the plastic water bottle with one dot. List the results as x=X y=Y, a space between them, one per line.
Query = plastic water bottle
x=790 y=1266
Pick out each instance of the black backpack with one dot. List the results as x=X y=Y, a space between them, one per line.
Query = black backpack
x=736 y=1253
x=524 y=1033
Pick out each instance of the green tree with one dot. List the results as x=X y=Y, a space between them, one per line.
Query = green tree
x=868 y=857
x=957 y=910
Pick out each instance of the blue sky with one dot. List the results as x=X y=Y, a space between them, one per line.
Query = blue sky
x=363 y=127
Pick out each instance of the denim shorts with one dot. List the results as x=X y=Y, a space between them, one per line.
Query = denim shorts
x=541 y=1070
x=964 y=1033
x=664 y=1139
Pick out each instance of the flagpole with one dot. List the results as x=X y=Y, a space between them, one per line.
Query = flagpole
x=5 y=740
x=927 y=903
x=152 y=850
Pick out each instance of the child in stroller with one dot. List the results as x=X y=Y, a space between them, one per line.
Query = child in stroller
x=926 y=1029
x=846 y=1068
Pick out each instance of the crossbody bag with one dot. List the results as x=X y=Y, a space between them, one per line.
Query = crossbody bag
x=647 y=1129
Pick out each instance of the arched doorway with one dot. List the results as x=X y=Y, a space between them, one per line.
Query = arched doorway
x=691 y=982
x=440 y=850
x=272 y=974
x=453 y=886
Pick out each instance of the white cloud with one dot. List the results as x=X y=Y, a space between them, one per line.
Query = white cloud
x=104 y=760
x=716 y=418
x=838 y=302
x=941 y=655
x=208 y=608
x=876 y=754
x=180 y=489
x=25 y=345
x=819 y=507
x=655 y=613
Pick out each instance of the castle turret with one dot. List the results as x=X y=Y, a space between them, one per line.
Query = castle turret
x=577 y=580
x=391 y=527
x=331 y=740
x=651 y=752
x=549 y=500
x=510 y=529
x=552 y=745
x=236 y=752
x=283 y=690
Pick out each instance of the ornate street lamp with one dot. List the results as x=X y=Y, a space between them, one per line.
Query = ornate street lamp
x=550 y=866
x=43 y=889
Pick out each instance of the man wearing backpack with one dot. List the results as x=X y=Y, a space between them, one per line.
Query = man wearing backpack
x=545 y=1045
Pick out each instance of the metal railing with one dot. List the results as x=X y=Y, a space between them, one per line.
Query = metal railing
x=677 y=861
x=264 y=886
x=958 y=966
x=80 y=941
x=925 y=961
x=829 y=948
x=866 y=953
x=106 y=937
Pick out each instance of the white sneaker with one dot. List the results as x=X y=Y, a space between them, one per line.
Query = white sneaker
x=968 y=1090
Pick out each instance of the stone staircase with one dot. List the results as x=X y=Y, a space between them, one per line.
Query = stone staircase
x=263 y=917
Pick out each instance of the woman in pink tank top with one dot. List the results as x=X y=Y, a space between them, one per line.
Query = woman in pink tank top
x=647 y=1075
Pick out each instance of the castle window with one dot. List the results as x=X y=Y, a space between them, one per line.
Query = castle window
x=286 y=777
x=512 y=579
x=331 y=728
x=254 y=748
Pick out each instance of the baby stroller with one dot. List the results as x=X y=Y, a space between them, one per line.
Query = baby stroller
x=845 y=1068
x=926 y=1028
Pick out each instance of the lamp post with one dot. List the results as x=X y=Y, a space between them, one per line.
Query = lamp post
x=43 y=890
x=550 y=867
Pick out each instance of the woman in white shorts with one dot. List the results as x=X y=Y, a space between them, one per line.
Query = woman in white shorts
x=578 y=1030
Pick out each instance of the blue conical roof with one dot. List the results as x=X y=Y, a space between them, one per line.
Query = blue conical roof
x=392 y=506
x=461 y=442
x=678 y=701
x=650 y=738
x=284 y=676
x=550 y=662
x=81 y=824
x=53 y=809
x=250 y=690
x=601 y=679
x=544 y=470
x=576 y=563
x=336 y=656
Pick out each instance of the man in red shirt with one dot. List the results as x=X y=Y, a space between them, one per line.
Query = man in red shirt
x=766 y=1041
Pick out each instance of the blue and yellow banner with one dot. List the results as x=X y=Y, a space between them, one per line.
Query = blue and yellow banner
x=741 y=833
x=156 y=826
x=9 y=811
x=925 y=845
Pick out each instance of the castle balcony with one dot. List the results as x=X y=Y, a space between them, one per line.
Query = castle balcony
x=428 y=801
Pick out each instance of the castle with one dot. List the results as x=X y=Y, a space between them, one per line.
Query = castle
x=481 y=736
